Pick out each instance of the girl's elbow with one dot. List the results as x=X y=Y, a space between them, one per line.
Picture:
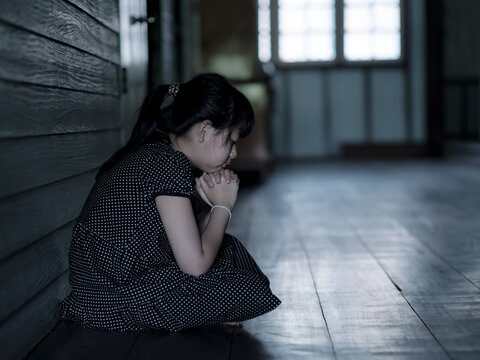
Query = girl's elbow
x=194 y=269
x=194 y=272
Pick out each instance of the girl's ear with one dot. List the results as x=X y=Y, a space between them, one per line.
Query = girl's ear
x=204 y=130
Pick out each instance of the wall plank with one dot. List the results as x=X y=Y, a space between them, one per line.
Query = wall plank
x=307 y=130
x=36 y=213
x=46 y=260
x=348 y=122
x=388 y=105
x=38 y=110
x=26 y=57
x=32 y=322
x=105 y=11
x=37 y=161
x=65 y=22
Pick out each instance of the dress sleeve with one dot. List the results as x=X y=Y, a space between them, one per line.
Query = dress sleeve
x=167 y=174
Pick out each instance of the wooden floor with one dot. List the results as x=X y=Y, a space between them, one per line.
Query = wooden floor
x=371 y=260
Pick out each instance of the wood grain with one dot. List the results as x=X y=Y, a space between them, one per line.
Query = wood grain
x=36 y=110
x=22 y=276
x=38 y=161
x=366 y=314
x=105 y=11
x=29 y=58
x=36 y=213
x=28 y=326
x=299 y=318
x=432 y=287
x=64 y=22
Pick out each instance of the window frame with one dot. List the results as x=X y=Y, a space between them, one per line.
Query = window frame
x=339 y=60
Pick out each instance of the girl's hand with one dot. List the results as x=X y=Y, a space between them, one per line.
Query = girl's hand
x=212 y=178
x=200 y=192
x=222 y=192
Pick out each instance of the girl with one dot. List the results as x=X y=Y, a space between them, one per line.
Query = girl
x=141 y=257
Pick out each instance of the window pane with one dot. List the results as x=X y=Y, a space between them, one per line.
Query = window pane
x=291 y=48
x=386 y=46
x=357 y=46
x=372 y=30
x=356 y=2
x=292 y=21
x=306 y=30
x=386 y=17
x=357 y=18
x=321 y=20
x=320 y=47
x=300 y=3
x=264 y=38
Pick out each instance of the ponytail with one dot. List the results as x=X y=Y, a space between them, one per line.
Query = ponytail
x=146 y=128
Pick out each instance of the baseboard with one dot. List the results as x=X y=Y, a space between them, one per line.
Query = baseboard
x=463 y=151
x=384 y=151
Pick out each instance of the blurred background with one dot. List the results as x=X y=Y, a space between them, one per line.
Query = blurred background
x=328 y=79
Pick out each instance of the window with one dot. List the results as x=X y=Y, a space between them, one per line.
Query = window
x=292 y=31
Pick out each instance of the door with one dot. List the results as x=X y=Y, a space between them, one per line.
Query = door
x=134 y=62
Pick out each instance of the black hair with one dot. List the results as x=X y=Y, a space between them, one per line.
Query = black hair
x=205 y=97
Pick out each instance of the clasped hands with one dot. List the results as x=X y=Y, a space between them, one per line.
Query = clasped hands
x=218 y=188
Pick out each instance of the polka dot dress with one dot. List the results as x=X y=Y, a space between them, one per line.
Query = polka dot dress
x=123 y=273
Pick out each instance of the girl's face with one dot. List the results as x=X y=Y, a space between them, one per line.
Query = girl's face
x=217 y=149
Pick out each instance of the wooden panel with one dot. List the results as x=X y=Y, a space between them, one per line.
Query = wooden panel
x=36 y=110
x=41 y=160
x=105 y=11
x=36 y=213
x=388 y=105
x=432 y=286
x=416 y=60
x=348 y=122
x=26 y=327
x=307 y=129
x=73 y=342
x=299 y=318
x=366 y=314
x=27 y=57
x=22 y=276
x=62 y=21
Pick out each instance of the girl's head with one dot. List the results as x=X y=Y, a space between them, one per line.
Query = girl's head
x=207 y=112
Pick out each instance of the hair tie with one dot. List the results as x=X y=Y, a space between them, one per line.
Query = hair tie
x=173 y=89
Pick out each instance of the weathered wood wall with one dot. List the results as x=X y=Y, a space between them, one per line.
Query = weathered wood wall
x=59 y=121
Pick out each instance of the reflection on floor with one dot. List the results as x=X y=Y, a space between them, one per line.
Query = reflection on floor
x=371 y=260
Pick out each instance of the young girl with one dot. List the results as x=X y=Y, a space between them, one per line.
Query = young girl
x=141 y=257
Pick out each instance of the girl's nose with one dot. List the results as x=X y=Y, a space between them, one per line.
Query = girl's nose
x=233 y=152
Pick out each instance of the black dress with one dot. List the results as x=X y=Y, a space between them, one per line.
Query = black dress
x=123 y=273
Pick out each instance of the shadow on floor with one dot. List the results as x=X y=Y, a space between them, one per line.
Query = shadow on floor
x=70 y=341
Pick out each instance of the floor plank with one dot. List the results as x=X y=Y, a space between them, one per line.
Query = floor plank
x=296 y=329
x=366 y=313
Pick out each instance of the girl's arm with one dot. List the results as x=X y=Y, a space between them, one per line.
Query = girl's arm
x=194 y=252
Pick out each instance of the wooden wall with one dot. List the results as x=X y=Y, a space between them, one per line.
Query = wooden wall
x=59 y=121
